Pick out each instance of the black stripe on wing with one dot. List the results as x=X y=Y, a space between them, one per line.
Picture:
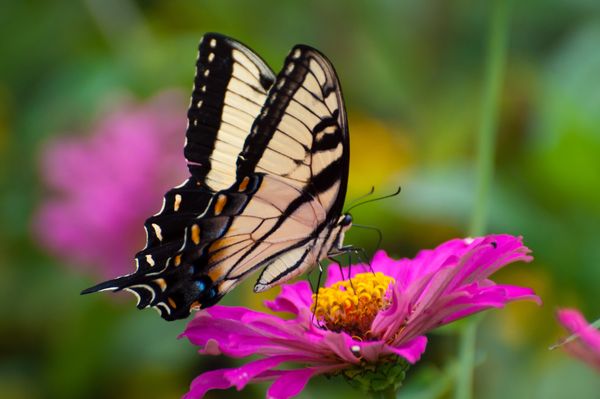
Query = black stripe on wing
x=230 y=87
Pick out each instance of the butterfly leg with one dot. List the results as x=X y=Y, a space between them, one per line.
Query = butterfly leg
x=349 y=264
x=360 y=252
x=366 y=259
x=331 y=259
x=314 y=309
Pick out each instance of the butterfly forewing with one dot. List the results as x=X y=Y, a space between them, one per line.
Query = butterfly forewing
x=230 y=88
x=301 y=133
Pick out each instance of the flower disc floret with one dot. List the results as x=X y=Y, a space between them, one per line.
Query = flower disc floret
x=352 y=305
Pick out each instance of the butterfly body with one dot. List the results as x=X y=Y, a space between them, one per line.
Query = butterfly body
x=268 y=157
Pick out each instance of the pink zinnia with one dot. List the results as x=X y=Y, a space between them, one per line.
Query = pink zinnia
x=368 y=328
x=105 y=184
x=586 y=343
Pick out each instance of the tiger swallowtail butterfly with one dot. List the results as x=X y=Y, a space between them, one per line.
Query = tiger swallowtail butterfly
x=268 y=158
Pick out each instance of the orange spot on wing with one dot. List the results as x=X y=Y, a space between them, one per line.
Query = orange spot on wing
x=220 y=204
x=244 y=184
x=177 y=260
x=172 y=302
x=161 y=283
x=196 y=234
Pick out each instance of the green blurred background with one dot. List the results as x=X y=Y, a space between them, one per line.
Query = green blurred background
x=412 y=74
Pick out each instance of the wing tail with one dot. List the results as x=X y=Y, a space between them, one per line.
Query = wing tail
x=116 y=284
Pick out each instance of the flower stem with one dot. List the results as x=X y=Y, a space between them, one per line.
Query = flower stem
x=497 y=43
x=466 y=361
x=496 y=56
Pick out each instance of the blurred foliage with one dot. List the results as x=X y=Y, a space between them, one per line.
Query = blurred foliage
x=411 y=72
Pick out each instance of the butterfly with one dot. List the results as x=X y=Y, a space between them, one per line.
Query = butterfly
x=268 y=157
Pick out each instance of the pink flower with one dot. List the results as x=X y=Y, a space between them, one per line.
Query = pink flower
x=105 y=184
x=586 y=345
x=370 y=325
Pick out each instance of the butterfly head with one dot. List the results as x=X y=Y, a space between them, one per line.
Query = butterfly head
x=342 y=225
x=345 y=221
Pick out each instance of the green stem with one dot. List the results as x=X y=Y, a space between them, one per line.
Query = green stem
x=466 y=361
x=496 y=56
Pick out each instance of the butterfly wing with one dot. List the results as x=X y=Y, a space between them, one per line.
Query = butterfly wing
x=231 y=84
x=301 y=133
x=299 y=144
x=230 y=88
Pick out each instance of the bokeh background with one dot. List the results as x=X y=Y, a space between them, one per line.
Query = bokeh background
x=93 y=98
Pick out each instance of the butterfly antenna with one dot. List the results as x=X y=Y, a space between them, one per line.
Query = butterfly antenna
x=355 y=200
x=362 y=226
x=375 y=199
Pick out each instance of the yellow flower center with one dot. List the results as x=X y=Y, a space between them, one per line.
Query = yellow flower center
x=351 y=305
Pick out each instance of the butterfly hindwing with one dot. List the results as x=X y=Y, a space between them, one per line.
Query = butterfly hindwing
x=164 y=230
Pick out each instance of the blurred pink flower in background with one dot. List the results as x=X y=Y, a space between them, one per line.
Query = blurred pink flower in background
x=104 y=184
x=368 y=328
x=586 y=345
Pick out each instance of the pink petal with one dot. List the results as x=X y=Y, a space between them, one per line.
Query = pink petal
x=295 y=298
x=290 y=383
x=243 y=375
x=340 y=344
x=205 y=382
x=412 y=350
x=488 y=254
x=494 y=297
x=574 y=321
x=233 y=338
